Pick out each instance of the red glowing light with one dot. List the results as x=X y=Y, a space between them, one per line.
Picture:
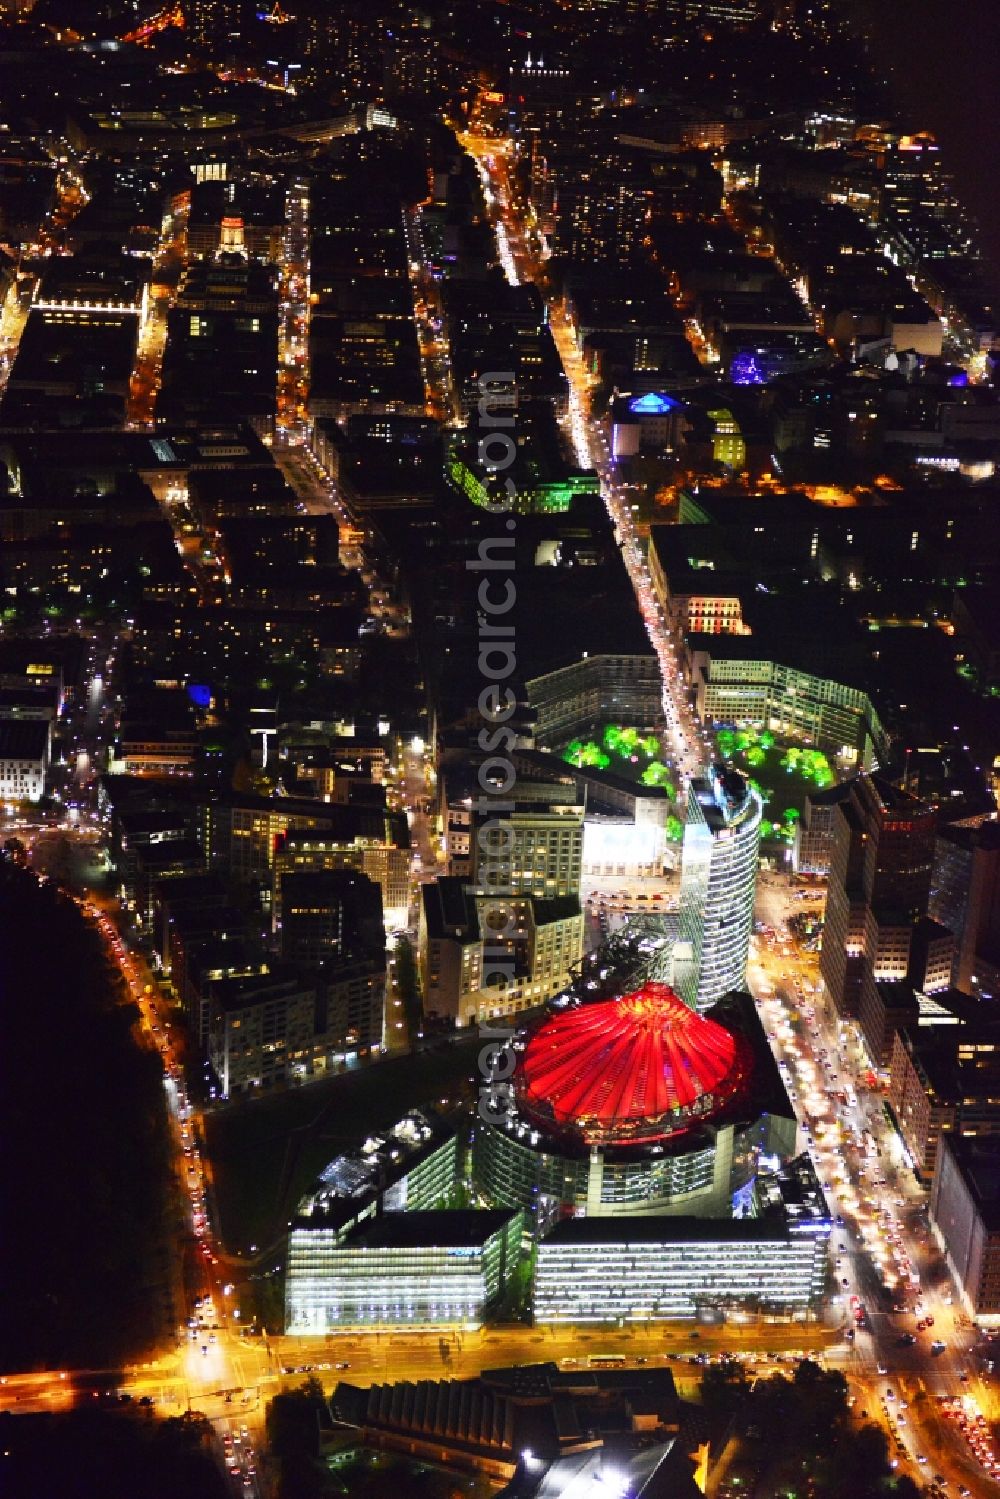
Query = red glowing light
x=634 y=1069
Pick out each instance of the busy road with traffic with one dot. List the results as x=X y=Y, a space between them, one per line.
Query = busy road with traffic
x=686 y=746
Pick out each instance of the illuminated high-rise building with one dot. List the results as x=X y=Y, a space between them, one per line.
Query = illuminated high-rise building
x=533 y=849
x=965 y=898
x=718 y=885
x=880 y=875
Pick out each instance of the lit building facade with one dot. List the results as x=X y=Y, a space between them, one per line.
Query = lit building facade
x=24 y=758
x=460 y=957
x=880 y=874
x=242 y=835
x=965 y=898
x=944 y=1078
x=718 y=884
x=732 y=689
x=595 y=690
x=412 y=1168
x=965 y=1221
x=814 y=833
x=266 y=1029
x=656 y=1269
x=399 y=1269
x=528 y=851
x=309 y=849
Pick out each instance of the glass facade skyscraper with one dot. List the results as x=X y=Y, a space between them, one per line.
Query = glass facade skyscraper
x=718 y=884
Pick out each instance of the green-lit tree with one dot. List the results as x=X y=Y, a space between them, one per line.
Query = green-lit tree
x=592 y=754
x=612 y=738
x=657 y=774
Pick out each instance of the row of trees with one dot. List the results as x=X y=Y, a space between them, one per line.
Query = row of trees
x=108 y=1454
x=800 y=1433
x=85 y=1191
x=631 y=749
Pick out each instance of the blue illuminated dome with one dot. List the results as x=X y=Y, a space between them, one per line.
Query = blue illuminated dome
x=652 y=404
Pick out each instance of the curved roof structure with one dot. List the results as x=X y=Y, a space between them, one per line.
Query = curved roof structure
x=652 y=404
x=634 y=1070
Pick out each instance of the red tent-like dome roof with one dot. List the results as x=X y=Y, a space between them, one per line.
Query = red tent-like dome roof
x=634 y=1069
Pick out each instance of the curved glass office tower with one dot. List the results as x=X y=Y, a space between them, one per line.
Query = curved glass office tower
x=718 y=884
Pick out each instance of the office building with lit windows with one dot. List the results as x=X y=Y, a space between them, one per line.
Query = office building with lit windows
x=374 y=843
x=965 y=898
x=461 y=951
x=598 y=688
x=24 y=759
x=411 y=1168
x=965 y=1222
x=657 y=1269
x=944 y=1077
x=420 y=1268
x=736 y=684
x=636 y=1105
x=529 y=850
x=880 y=878
x=718 y=884
x=273 y=1027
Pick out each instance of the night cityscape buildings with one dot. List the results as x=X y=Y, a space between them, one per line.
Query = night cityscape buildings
x=499 y=748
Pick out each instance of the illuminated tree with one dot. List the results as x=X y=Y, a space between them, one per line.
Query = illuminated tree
x=657 y=774
x=613 y=738
x=592 y=754
x=675 y=829
x=726 y=742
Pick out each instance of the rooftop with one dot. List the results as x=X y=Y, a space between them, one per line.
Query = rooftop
x=24 y=739
x=445 y=1229
x=979 y=1166
x=638 y=1068
x=665 y=1229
